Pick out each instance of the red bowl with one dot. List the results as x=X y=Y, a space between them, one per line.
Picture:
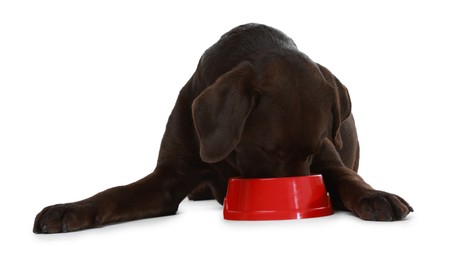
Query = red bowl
x=276 y=198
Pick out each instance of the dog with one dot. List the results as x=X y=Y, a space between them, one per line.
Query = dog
x=256 y=107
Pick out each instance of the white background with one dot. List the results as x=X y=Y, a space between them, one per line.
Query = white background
x=86 y=88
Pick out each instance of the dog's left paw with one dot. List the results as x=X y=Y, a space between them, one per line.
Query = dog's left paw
x=381 y=206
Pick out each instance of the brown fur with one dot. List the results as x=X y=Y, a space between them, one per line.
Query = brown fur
x=255 y=107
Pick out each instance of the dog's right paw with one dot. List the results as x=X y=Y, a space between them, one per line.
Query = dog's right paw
x=66 y=218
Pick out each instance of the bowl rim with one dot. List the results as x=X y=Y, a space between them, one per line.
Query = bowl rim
x=238 y=178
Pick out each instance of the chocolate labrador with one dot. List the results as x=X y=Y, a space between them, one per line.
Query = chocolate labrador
x=255 y=107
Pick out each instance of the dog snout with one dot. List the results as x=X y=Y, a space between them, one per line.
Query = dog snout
x=298 y=168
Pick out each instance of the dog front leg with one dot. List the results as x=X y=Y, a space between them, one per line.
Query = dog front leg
x=157 y=194
x=350 y=191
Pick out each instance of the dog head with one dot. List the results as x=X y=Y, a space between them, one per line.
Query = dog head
x=269 y=116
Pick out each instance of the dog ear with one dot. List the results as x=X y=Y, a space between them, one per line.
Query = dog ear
x=220 y=112
x=341 y=111
x=342 y=105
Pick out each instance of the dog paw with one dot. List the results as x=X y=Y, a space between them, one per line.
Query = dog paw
x=381 y=206
x=66 y=218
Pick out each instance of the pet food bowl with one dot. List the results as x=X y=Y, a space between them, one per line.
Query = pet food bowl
x=276 y=198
